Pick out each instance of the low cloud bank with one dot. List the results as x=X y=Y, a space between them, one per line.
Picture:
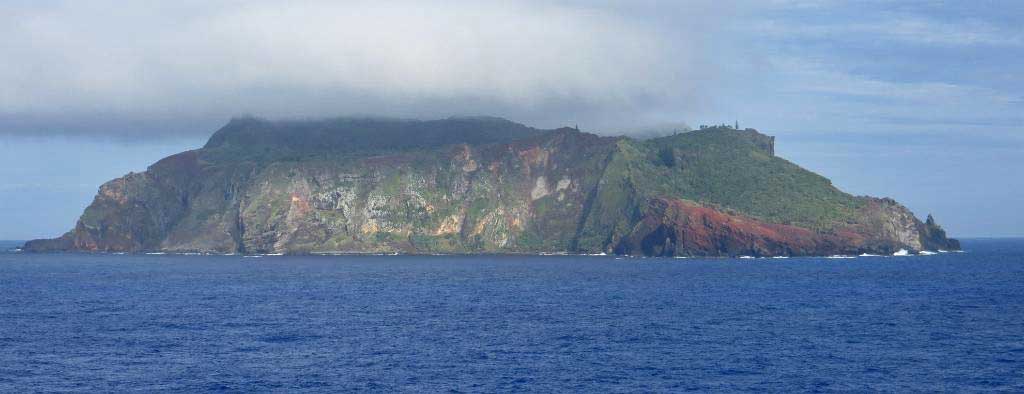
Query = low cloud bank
x=602 y=65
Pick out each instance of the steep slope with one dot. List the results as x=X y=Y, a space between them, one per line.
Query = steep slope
x=466 y=185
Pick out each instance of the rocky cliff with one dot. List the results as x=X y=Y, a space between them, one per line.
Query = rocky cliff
x=485 y=185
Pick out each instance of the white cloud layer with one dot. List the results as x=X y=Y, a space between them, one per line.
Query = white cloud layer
x=901 y=28
x=318 y=58
x=165 y=68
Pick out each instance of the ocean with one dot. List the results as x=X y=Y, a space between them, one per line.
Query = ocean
x=101 y=322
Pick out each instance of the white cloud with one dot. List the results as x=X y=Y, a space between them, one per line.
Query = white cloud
x=307 y=58
x=817 y=95
x=897 y=28
x=816 y=77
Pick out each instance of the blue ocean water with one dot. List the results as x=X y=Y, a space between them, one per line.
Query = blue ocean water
x=80 y=322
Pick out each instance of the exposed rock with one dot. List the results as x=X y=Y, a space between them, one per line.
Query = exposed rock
x=471 y=185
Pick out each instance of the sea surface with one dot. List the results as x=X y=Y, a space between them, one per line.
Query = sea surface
x=101 y=322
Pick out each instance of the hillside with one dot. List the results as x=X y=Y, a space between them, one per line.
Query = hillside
x=485 y=185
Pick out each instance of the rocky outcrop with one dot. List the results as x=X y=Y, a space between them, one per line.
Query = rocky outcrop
x=933 y=237
x=674 y=227
x=474 y=185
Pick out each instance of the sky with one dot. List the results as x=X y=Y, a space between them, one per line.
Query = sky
x=916 y=100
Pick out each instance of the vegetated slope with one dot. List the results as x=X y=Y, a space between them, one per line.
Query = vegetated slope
x=468 y=185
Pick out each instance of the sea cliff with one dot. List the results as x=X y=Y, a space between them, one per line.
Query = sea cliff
x=485 y=185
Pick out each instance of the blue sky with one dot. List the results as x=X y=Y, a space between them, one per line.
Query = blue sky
x=916 y=100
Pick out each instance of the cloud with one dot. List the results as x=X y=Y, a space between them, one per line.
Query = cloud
x=818 y=95
x=904 y=29
x=840 y=67
x=823 y=78
x=540 y=61
x=135 y=71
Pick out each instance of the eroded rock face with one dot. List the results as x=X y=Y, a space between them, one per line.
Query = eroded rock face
x=508 y=189
x=674 y=227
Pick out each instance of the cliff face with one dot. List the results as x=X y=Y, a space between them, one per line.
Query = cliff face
x=471 y=185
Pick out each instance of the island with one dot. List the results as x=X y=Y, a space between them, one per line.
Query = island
x=467 y=185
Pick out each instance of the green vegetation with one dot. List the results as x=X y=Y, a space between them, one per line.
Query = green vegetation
x=256 y=139
x=736 y=170
x=383 y=185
